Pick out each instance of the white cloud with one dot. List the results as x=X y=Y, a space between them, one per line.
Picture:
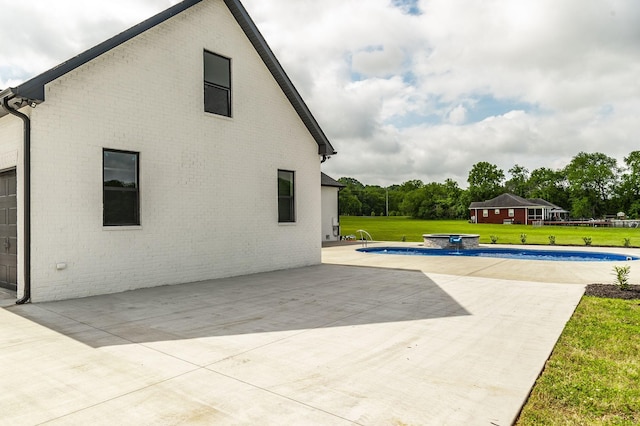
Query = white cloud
x=458 y=115
x=378 y=62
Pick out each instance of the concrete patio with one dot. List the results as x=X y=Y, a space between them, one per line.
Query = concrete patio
x=323 y=345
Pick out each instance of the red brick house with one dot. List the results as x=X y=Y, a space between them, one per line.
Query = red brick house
x=510 y=208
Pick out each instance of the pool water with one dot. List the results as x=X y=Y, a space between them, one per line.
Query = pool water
x=505 y=253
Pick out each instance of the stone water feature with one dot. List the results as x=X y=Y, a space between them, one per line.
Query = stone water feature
x=451 y=241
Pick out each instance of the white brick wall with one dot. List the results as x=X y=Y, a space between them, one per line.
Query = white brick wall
x=208 y=184
x=329 y=212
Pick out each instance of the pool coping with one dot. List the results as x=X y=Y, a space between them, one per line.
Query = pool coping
x=509 y=269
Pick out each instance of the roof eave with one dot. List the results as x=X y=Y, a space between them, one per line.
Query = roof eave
x=259 y=43
x=32 y=90
x=13 y=100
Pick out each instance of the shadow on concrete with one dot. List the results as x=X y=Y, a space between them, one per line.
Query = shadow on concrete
x=305 y=298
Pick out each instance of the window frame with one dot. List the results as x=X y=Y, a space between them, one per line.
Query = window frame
x=512 y=213
x=291 y=198
x=106 y=188
x=485 y=212
x=213 y=85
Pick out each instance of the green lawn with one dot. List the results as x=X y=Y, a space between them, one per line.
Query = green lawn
x=593 y=375
x=395 y=228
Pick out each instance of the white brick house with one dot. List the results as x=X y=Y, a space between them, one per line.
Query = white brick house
x=177 y=151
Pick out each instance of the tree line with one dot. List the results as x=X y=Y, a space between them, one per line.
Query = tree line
x=592 y=185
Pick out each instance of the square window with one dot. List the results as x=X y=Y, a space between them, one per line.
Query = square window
x=286 y=196
x=217 y=84
x=120 y=190
x=496 y=211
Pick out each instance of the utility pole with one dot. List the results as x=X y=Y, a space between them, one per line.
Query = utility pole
x=387 y=202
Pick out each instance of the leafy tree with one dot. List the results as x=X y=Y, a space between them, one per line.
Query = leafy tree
x=549 y=185
x=485 y=181
x=349 y=197
x=349 y=204
x=592 y=178
x=436 y=201
x=410 y=185
x=351 y=183
x=628 y=192
x=410 y=205
x=373 y=200
x=457 y=200
x=581 y=207
x=519 y=182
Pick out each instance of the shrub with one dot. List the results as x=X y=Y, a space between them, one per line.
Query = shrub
x=626 y=242
x=404 y=238
x=523 y=238
x=494 y=239
x=622 y=276
x=587 y=241
x=552 y=240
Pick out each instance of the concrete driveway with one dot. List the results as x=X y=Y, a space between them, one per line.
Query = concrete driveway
x=323 y=345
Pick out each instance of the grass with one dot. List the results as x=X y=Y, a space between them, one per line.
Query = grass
x=593 y=374
x=394 y=228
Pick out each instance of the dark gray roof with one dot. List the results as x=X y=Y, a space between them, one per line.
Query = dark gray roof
x=510 y=201
x=326 y=180
x=543 y=202
x=33 y=90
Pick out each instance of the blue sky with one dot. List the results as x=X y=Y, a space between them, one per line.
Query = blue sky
x=411 y=89
x=410 y=7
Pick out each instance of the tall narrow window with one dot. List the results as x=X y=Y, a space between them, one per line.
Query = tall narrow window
x=217 y=84
x=286 y=196
x=120 y=195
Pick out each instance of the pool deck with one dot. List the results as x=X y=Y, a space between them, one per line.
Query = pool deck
x=508 y=269
x=362 y=339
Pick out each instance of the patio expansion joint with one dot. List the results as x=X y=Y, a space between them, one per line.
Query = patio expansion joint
x=280 y=395
x=114 y=398
x=472 y=273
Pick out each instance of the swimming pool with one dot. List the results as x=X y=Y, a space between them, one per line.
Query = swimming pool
x=505 y=253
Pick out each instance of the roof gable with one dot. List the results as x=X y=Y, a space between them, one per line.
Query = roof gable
x=32 y=90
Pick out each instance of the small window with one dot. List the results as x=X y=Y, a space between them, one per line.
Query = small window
x=217 y=84
x=485 y=213
x=286 y=196
x=496 y=211
x=511 y=213
x=120 y=195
